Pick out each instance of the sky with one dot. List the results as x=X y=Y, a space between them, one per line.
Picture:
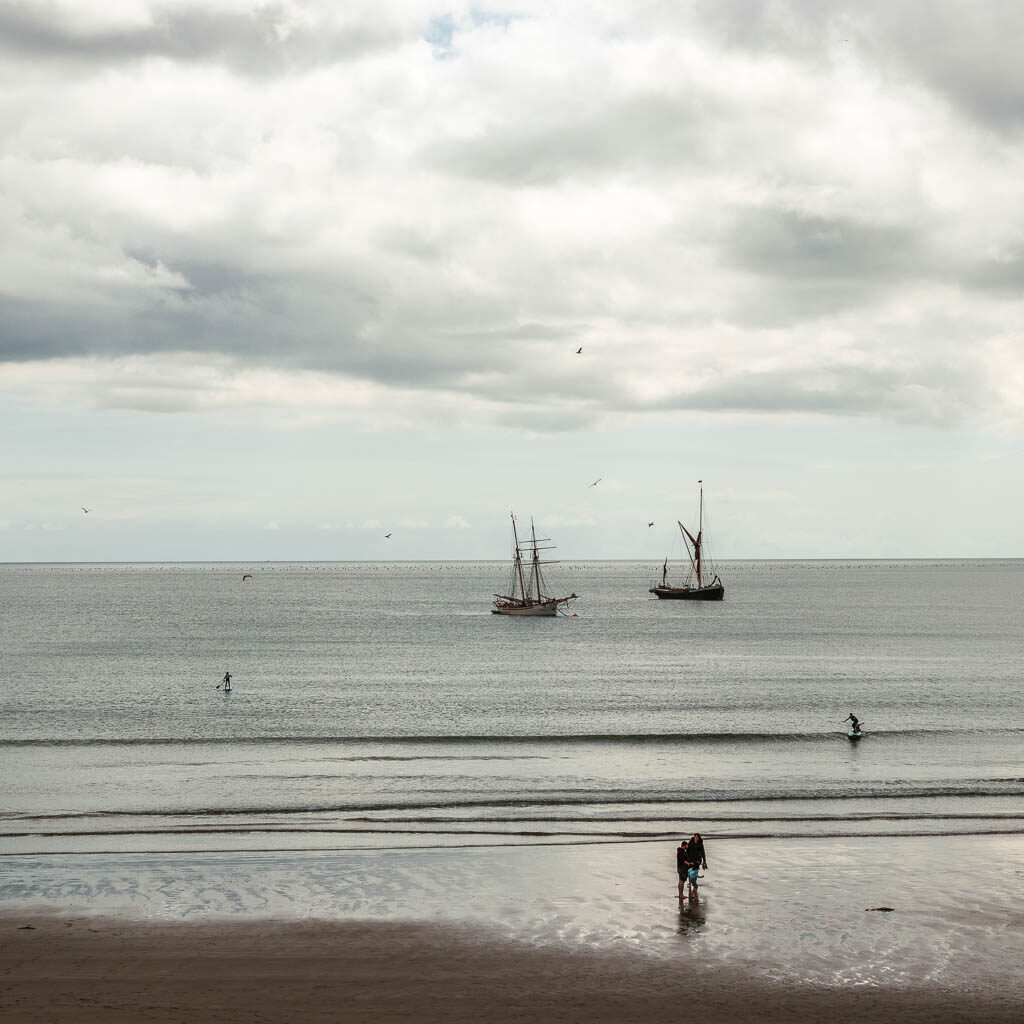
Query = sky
x=277 y=279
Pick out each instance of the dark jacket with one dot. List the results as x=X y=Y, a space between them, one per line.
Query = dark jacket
x=682 y=861
x=697 y=855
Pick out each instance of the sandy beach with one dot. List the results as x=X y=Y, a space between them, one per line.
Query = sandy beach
x=86 y=970
x=785 y=930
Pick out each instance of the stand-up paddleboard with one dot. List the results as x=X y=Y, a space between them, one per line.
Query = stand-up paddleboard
x=855 y=734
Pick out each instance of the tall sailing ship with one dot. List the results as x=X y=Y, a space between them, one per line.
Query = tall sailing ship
x=526 y=589
x=702 y=582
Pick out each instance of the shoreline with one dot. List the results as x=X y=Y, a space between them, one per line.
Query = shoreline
x=86 y=969
x=788 y=920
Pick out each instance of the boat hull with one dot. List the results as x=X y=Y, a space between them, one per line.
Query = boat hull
x=715 y=593
x=546 y=608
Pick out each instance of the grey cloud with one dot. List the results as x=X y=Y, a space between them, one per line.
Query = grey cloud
x=781 y=242
x=936 y=393
x=902 y=384
x=545 y=420
x=292 y=323
x=643 y=131
x=821 y=265
x=267 y=328
x=1000 y=274
x=248 y=42
x=966 y=51
x=208 y=278
x=794 y=28
x=507 y=332
x=806 y=266
x=32 y=331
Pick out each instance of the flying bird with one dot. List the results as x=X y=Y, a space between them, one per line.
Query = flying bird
x=597 y=481
x=84 y=509
x=579 y=350
x=386 y=535
x=650 y=524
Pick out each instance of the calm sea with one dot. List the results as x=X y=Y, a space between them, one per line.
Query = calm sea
x=381 y=705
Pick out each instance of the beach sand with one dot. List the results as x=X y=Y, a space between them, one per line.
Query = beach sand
x=785 y=930
x=99 y=970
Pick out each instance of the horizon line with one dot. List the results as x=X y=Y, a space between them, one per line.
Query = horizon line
x=473 y=561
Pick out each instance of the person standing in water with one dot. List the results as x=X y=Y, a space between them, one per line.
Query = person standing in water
x=226 y=682
x=854 y=722
x=698 y=858
x=683 y=865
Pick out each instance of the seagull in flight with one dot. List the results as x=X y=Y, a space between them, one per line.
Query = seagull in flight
x=650 y=524
x=597 y=481
x=84 y=509
x=579 y=350
x=386 y=535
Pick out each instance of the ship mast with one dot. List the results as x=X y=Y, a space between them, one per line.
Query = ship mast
x=519 y=559
x=695 y=542
x=536 y=558
x=700 y=531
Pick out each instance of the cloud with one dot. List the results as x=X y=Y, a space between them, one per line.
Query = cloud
x=938 y=396
x=633 y=131
x=253 y=39
x=788 y=244
x=422 y=213
x=961 y=50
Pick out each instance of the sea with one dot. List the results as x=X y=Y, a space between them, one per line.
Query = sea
x=382 y=706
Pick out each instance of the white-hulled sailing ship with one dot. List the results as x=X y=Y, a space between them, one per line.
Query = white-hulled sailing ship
x=702 y=582
x=525 y=592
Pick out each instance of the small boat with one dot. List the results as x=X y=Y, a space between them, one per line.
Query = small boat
x=526 y=595
x=702 y=582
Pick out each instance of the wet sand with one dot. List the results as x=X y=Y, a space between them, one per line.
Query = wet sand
x=88 y=970
x=784 y=930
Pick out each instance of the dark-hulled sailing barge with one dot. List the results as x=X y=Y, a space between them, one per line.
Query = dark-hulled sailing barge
x=702 y=582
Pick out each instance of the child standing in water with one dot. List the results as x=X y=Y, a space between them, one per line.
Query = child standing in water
x=693 y=874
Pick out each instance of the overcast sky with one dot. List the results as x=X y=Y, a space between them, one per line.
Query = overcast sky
x=279 y=278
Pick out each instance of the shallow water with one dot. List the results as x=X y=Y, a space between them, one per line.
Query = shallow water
x=795 y=910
